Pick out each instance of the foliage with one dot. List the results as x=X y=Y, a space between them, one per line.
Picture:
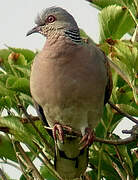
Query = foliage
x=116 y=18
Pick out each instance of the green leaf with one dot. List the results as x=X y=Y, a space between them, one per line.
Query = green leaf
x=136 y=170
x=124 y=68
x=28 y=54
x=16 y=128
x=4 y=53
x=22 y=177
x=127 y=53
x=46 y=174
x=126 y=159
x=115 y=21
x=104 y=3
x=16 y=58
x=18 y=84
x=100 y=130
x=92 y=174
x=106 y=163
x=125 y=57
x=26 y=98
x=24 y=70
x=128 y=109
x=6 y=148
x=100 y=4
x=5 y=102
x=4 y=91
x=3 y=77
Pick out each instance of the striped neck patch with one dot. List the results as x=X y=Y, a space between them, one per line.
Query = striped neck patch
x=74 y=35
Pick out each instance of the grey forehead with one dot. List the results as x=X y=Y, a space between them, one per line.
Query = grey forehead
x=41 y=17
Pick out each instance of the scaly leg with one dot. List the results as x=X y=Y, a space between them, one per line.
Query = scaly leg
x=58 y=129
x=87 y=139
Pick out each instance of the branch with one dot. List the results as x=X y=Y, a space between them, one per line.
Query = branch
x=35 y=172
x=106 y=141
x=116 y=142
x=122 y=113
x=127 y=171
x=2 y=175
x=136 y=6
x=20 y=162
x=48 y=163
x=115 y=166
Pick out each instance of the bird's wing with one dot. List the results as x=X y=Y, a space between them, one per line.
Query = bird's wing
x=109 y=86
x=42 y=116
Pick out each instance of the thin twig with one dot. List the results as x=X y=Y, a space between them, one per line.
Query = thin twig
x=128 y=173
x=127 y=131
x=122 y=113
x=115 y=166
x=133 y=17
x=45 y=160
x=19 y=160
x=116 y=142
x=2 y=175
x=100 y=162
x=106 y=141
x=48 y=163
x=35 y=172
x=136 y=6
x=48 y=146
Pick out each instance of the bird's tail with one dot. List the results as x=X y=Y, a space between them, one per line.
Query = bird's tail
x=70 y=162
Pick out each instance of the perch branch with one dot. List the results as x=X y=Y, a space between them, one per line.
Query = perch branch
x=122 y=113
x=106 y=141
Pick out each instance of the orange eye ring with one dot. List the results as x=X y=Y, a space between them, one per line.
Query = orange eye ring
x=50 y=19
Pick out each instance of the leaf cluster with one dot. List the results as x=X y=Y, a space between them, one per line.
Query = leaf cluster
x=116 y=19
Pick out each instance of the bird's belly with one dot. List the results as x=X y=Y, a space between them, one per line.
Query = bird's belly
x=68 y=95
x=74 y=116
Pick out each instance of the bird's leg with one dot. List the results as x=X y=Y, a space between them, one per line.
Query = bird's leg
x=58 y=129
x=87 y=139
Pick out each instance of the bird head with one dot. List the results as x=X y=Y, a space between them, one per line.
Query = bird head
x=54 y=19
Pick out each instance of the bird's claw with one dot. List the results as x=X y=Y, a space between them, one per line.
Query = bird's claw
x=87 y=139
x=58 y=129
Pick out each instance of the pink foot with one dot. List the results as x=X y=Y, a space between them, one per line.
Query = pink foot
x=58 y=129
x=87 y=139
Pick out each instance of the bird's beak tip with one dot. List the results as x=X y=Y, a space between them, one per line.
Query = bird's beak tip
x=34 y=30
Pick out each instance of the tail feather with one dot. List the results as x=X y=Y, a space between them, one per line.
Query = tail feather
x=70 y=162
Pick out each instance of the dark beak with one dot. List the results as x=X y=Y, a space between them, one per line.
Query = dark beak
x=36 y=29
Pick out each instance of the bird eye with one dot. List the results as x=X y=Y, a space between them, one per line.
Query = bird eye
x=51 y=19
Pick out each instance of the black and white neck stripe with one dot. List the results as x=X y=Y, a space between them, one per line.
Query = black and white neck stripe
x=74 y=35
